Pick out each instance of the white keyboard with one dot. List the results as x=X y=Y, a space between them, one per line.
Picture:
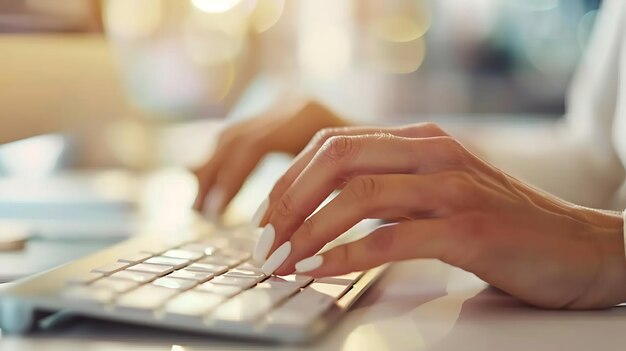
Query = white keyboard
x=201 y=285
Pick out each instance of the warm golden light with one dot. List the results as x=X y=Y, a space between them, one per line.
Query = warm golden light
x=132 y=19
x=209 y=42
x=326 y=52
x=265 y=15
x=399 y=58
x=215 y=6
x=324 y=38
x=400 y=28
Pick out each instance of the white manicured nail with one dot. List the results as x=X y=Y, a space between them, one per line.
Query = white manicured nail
x=309 y=264
x=214 y=202
x=260 y=212
x=278 y=257
x=264 y=244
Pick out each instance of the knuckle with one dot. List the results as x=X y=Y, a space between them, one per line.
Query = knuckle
x=284 y=207
x=279 y=188
x=364 y=188
x=428 y=128
x=308 y=227
x=339 y=148
x=451 y=144
x=323 y=134
x=344 y=253
x=326 y=133
x=382 y=241
x=452 y=149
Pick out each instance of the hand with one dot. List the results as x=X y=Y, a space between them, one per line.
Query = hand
x=443 y=203
x=286 y=128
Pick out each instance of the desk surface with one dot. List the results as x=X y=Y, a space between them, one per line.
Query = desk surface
x=416 y=305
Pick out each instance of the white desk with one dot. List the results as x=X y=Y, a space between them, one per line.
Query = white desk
x=417 y=305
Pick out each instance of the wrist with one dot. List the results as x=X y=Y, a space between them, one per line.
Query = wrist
x=609 y=288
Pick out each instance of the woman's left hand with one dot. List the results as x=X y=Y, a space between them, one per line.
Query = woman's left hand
x=443 y=202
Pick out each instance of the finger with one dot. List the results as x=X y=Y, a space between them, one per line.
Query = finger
x=235 y=171
x=430 y=238
x=343 y=158
x=206 y=177
x=420 y=130
x=376 y=196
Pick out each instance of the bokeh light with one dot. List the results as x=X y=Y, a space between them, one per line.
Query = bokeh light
x=265 y=15
x=398 y=57
x=215 y=6
x=401 y=28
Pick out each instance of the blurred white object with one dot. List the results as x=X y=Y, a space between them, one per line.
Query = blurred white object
x=76 y=204
x=34 y=157
x=13 y=235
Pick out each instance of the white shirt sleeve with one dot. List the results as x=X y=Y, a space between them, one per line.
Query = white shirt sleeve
x=596 y=100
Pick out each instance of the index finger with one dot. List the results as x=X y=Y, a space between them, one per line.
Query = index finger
x=338 y=161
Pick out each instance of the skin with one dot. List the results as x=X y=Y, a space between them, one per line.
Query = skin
x=441 y=201
x=287 y=127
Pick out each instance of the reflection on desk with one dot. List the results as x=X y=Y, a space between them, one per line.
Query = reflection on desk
x=417 y=305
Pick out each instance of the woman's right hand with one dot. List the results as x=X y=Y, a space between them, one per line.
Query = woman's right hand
x=285 y=128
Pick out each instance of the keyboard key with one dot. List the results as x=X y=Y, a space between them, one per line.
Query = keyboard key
x=250 y=267
x=221 y=260
x=188 y=255
x=242 y=282
x=302 y=309
x=276 y=284
x=175 y=283
x=85 y=279
x=200 y=248
x=249 y=305
x=223 y=290
x=117 y=285
x=193 y=303
x=197 y=276
x=350 y=276
x=177 y=263
x=135 y=258
x=111 y=268
x=151 y=268
x=88 y=295
x=207 y=267
x=139 y=277
x=302 y=280
x=146 y=297
x=333 y=290
x=339 y=280
x=244 y=273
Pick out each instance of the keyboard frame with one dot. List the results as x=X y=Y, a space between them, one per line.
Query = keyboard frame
x=41 y=293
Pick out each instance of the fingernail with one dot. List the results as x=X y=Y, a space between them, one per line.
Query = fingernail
x=260 y=212
x=309 y=264
x=264 y=244
x=278 y=257
x=214 y=202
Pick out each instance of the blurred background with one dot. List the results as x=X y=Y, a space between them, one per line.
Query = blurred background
x=96 y=93
x=105 y=72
